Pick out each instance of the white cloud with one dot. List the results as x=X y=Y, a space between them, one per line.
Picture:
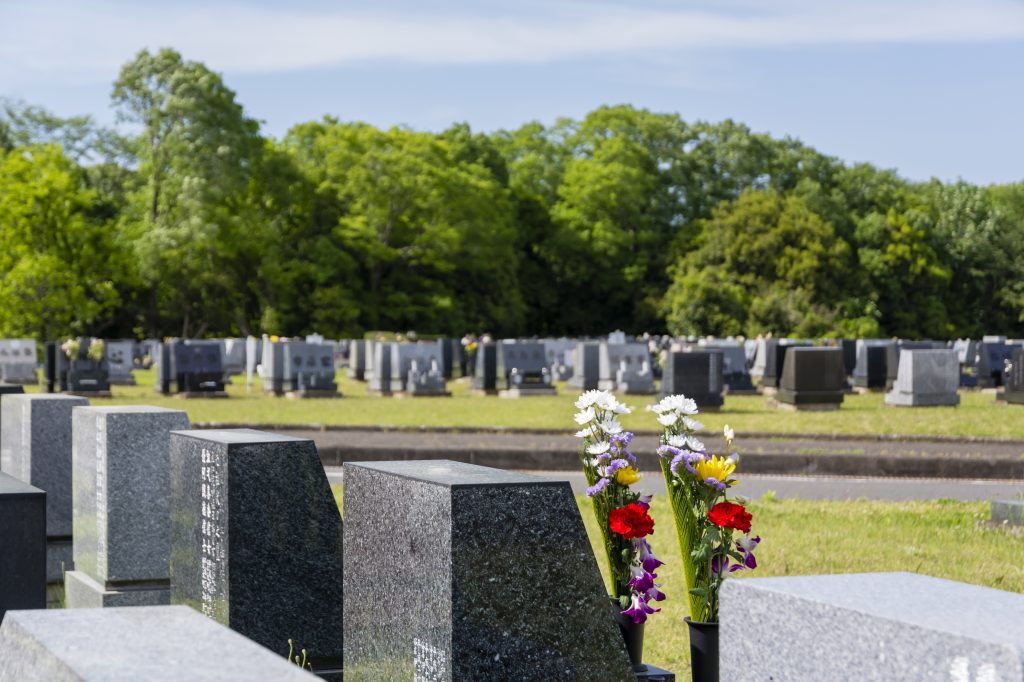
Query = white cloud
x=61 y=41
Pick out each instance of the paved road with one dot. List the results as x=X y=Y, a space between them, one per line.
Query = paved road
x=823 y=487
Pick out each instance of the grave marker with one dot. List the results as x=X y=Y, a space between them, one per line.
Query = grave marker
x=926 y=378
x=18 y=361
x=22 y=546
x=695 y=374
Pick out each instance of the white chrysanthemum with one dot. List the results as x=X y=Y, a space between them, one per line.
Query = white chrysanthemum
x=585 y=417
x=677 y=441
x=667 y=418
x=588 y=399
x=695 y=444
x=582 y=433
x=599 y=448
x=687 y=406
x=729 y=433
x=610 y=426
x=692 y=424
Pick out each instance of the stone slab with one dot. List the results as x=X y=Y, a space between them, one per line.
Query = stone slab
x=1008 y=511
x=444 y=585
x=81 y=591
x=151 y=643
x=869 y=626
x=256 y=539
x=22 y=546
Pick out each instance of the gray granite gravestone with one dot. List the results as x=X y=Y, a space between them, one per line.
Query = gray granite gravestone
x=774 y=361
x=190 y=368
x=696 y=374
x=625 y=368
x=256 y=539
x=485 y=373
x=121 y=509
x=1010 y=512
x=893 y=352
x=357 y=360
x=148 y=643
x=586 y=369
x=379 y=371
x=18 y=361
x=1014 y=393
x=812 y=379
x=233 y=352
x=734 y=365
x=22 y=546
x=521 y=370
x=926 y=378
x=8 y=389
x=35 y=447
x=299 y=369
x=869 y=626
x=119 y=361
x=445 y=568
x=559 y=354
x=416 y=369
x=869 y=370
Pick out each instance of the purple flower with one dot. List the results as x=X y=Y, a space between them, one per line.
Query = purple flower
x=745 y=546
x=668 y=450
x=645 y=501
x=623 y=439
x=639 y=609
x=712 y=481
x=603 y=457
x=647 y=558
x=719 y=565
x=654 y=594
x=615 y=466
x=597 y=487
x=641 y=580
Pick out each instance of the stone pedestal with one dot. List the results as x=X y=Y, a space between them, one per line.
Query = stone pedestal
x=812 y=379
x=35 y=447
x=121 y=506
x=869 y=626
x=446 y=567
x=256 y=539
x=22 y=546
x=926 y=378
x=154 y=643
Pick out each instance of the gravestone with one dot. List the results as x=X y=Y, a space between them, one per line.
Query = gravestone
x=1014 y=393
x=120 y=361
x=444 y=585
x=892 y=357
x=121 y=507
x=416 y=369
x=586 y=370
x=869 y=626
x=992 y=359
x=559 y=354
x=522 y=370
x=379 y=370
x=1008 y=511
x=926 y=378
x=357 y=360
x=18 y=361
x=35 y=447
x=256 y=539
x=150 y=643
x=812 y=379
x=233 y=354
x=68 y=371
x=299 y=369
x=967 y=356
x=190 y=368
x=734 y=365
x=485 y=374
x=8 y=389
x=452 y=356
x=849 y=347
x=871 y=370
x=695 y=374
x=625 y=368
x=775 y=361
x=22 y=546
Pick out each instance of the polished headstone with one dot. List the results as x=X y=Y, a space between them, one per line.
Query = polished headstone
x=357 y=360
x=893 y=352
x=443 y=563
x=379 y=371
x=190 y=367
x=22 y=546
x=151 y=643
x=521 y=369
x=121 y=507
x=299 y=369
x=734 y=364
x=812 y=378
x=35 y=447
x=869 y=626
x=772 y=357
x=926 y=378
x=256 y=539
x=416 y=369
x=485 y=374
x=119 y=361
x=695 y=374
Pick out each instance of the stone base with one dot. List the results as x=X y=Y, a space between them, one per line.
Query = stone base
x=82 y=592
x=1010 y=512
x=922 y=400
x=1014 y=397
x=424 y=394
x=737 y=391
x=59 y=558
x=802 y=407
x=527 y=392
x=654 y=674
x=188 y=395
x=90 y=394
x=312 y=393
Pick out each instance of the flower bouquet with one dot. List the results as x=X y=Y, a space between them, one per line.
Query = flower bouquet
x=71 y=348
x=96 y=350
x=623 y=515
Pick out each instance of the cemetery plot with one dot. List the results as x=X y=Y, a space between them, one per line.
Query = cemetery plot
x=926 y=378
x=77 y=366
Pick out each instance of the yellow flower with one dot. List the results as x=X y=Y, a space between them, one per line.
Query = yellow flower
x=627 y=476
x=718 y=468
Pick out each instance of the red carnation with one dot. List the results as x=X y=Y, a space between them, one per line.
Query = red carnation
x=632 y=521
x=729 y=515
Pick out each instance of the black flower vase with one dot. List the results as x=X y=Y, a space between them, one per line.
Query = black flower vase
x=703 y=651
x=633 y=635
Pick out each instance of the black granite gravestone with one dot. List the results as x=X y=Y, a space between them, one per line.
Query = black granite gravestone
x=586 y=371
x=78 y=374
x=379 y=370
x=849 y=347
x=812 y=378
x=1014 y=393
x=696 y=374
x=446 y=570
x=189 y=367
x=22 y=546
x=775 y=361
x=521 y=369
x=871 y=368
x=256 y=539
x=735 y=375
x=485 y=375
x=357 y=359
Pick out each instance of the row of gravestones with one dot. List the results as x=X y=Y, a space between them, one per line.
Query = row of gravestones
x=450 y=571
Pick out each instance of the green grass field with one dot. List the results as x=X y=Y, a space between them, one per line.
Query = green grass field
x=943 y=538
x=977 y=415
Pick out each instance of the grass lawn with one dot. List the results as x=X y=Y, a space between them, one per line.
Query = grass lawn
x=860 y=414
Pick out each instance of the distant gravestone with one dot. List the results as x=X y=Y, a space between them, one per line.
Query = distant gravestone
x=926 y=378
x=586 y=366
x=439 y=588
x=775 y=360
x=870 y=370
x=522 y=370
x=35 y=447
x=559 y=354
x=151 y=643
x=256 y=539
x=22 y=546
x=812 y=379
x=299 y=369
x=416 y=369
x=892 y=357
x=357 y=360
x=734 y=368
x=485 y=374
x=121 y=506
x=190 y=368
x=992 y=359
x=8 y=389
x=869 y=626
x=379 y=370
x=849 y=347
x=233 y=353
x=18 y=361
x=120 y=362
x=1014 y=393
x=625 y=368
x=68 y=370
x=695 y=374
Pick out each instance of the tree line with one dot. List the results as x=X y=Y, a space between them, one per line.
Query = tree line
x=186 y=220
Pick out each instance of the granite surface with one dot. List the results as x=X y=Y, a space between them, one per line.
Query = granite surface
x=1008 y=511
x=256 y=539
x=22 y=546
x=697 y=375
x=625 y=368
x=870 y=368
x=445 y=572
x=121 y=503
x=926 y=378
x=586 y=368
x=1014 y=393
x=151 y=643
x=869 y=626
x=35 y=447
x=812 y=376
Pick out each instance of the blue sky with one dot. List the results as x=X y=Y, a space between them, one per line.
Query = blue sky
x=931 y=88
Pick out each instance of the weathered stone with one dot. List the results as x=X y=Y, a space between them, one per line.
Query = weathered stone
x=926 y=378
x=22 y=546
